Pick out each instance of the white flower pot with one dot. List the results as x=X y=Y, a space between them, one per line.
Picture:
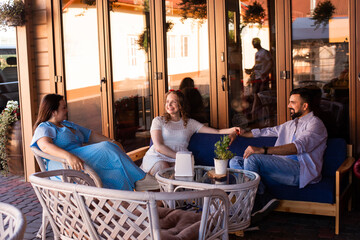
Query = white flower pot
x=220 y=166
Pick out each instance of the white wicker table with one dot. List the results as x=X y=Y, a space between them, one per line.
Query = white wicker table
x=240 y=185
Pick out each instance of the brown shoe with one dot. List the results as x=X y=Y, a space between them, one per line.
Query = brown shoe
x=147 y=183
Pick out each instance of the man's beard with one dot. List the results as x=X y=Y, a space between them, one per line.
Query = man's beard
x=295 y=114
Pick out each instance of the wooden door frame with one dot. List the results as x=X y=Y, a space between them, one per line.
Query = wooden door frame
x=220 y=59
x=354 y=78
x=283 y=57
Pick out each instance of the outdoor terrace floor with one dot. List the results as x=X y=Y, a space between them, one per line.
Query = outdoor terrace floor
x=14 y=190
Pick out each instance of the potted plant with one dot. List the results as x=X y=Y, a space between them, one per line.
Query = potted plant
x=12 y=13
x=222 y=155
x=10 y=139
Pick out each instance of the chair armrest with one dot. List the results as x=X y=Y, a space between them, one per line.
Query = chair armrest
x=138 y=153
x=346 y=165
x=39 y=155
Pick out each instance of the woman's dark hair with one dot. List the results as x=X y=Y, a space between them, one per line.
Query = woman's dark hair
x=194 y=105
x=48 y=105
x=183 y=113
x=186 y=82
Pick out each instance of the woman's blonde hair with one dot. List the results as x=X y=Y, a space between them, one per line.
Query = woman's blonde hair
x=183 y=113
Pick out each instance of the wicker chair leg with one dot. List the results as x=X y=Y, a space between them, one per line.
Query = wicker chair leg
x=42 y=230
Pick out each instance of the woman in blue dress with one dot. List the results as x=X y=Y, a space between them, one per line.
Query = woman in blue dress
x=58 y=137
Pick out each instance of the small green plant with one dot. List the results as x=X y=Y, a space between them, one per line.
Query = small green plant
x=12 y=13
x=222 y=149
x=8 y=116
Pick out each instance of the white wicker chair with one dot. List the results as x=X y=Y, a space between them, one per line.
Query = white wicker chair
x=12 y=222
x=85 y=212
x=40 y=157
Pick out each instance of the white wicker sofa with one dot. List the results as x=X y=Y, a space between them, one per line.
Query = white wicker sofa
x=77 y=211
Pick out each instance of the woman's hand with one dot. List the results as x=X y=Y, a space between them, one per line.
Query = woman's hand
x=75 y=162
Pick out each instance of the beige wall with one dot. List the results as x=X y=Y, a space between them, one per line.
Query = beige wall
x=35 y=51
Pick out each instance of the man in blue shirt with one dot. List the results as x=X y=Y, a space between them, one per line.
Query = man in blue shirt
x=297 y=157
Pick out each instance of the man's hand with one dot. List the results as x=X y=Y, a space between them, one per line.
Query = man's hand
x=251 y=150
x=75 y=162
x=232 y=137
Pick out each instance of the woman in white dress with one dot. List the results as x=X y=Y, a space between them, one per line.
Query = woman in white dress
x=171 y=133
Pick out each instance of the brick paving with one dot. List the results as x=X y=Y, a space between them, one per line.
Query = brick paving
x=279 y=226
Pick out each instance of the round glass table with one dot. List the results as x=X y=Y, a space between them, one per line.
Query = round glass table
x=240 y=185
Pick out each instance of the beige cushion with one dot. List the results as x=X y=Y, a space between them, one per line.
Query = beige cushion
x=178 y=224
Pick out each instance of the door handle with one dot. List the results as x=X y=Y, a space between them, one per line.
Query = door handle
x=103 y=80
x=223 y=82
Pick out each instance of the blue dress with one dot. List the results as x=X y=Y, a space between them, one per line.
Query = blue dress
x=115 y=169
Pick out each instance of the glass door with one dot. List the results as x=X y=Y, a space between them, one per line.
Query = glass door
x=187 y=54
x=320 y=59
x=249 y=78
x=81 y=63
x=130 y=68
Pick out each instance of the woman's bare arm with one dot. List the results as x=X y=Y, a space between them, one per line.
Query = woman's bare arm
x=205 y=129
x=96 y=137
x=46 y=145
x=158 y=141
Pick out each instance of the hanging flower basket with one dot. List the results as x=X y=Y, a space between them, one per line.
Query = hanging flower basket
x=254 y=14
x=12 y=13
x=323 y=12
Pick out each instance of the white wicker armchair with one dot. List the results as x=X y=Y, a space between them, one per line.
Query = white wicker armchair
x=12 y=222
x=41 y=157
x=85 y=212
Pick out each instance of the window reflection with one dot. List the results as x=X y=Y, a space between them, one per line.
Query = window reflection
x=130 y=50
x=81 y=57
x=8 y=67
x=251 y=67
x=188 y=50
x=320 y=49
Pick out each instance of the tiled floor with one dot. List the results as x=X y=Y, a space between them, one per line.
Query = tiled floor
x=14 y=190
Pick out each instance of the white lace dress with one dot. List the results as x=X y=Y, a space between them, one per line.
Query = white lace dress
x=175 y=136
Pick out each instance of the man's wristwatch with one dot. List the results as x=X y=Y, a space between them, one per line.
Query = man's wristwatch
x=265 y=149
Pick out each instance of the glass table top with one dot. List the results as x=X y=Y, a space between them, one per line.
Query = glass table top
x=233 y=176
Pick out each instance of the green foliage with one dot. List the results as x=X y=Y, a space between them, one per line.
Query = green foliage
x=89 y=2
x=8 y=116
x=12 y=13
x=222 y=149
x=323 y=12
x=196 y=9
x=254 y=14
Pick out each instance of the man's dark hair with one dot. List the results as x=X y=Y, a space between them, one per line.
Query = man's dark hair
x=306 y=95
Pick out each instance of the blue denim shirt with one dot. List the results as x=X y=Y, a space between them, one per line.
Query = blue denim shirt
x=310 y=141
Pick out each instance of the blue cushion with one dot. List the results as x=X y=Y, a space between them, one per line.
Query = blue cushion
x=335 y=154
x=323 y=192
x=202 y=146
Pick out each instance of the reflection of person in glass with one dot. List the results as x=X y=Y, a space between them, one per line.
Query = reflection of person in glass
x=259 y=74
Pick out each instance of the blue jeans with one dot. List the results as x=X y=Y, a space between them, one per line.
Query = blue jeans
x=271 y=168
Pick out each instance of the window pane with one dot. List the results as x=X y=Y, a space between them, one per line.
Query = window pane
x=320 y=50
x=130 y=52
x=188 y=51
x=81 y=55
x=251 y=66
